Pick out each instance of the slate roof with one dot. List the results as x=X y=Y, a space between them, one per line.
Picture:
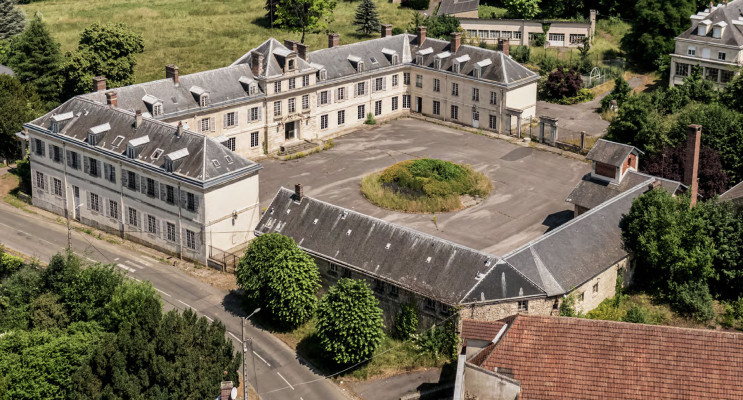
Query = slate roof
x=449 y=7
x=6 y=71
x=222 y=84
x=731 y=14
x=576 y=358
x=480 y=330
x=196 y=167
x=273 y=53
x=734 y=194
x=503 y=69
x=611 y=153
x=590 y=192
x=433 y=267
x=336 y=63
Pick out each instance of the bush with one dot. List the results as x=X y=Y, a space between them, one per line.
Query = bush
x=521 y=54
x=727 y=319
x=693 y=299
x=620 y=93
x=439 y=341
x=406 y=323
x=397 y=30
x=370 y=119
x=9 y=264
x=567 y=307
x=608 y=310
x=636 y=314
x=539 y=40
x=562 y=84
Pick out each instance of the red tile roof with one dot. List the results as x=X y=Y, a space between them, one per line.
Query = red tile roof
x=573 y=358
x=480 y=330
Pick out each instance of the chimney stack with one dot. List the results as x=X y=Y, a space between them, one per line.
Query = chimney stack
x=691 y=165
x=99 y=83
x=171 y=72
x=386 y=30
x=179 y=129
x=111 y=99
x=256 y=63
x=334 y=40
x=226 y=390
x=421 y=35
x=455 y=41
x=290 y=44
x=298 y=192
x=302 y=50
x=504 y=45
x=138 y=118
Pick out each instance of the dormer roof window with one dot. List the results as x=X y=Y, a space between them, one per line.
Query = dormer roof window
x=97 y=132
x=249 y=85
x=173 y=160
x=59 y=119
x=391 y=55
x=703 y=27
x=323 y=74
x=480 y=67
x=357 y=62
x=718 y=29
x=154 y=105
x=134 y=145
x=438 y=61
x=200 y=95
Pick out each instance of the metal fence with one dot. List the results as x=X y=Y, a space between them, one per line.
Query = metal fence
x=225 y=261
x=604 y=70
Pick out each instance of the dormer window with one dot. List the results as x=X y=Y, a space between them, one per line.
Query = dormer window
x=360 y=66
x=357 y=63
x=437 y=63
x=718 y=29
x=419 y=59
x=203 y=100
x=477 y=72
x=291 y=64
x=172 y=160
x=249 y=85
x=54 y=127
x=455 y=67
x=391 y=55
x=323 y=74
x=703 y=27
x=132 y=148
x=97 y=132
x=200 y=95
x=154 y=105
x=57 y=120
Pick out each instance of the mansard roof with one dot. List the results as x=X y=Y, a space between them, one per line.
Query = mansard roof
x=434 y=267
x=272 y=51
x=336 y=62
x=730 y=15
x=223 y=85
x=197 y=165
x=590 y=191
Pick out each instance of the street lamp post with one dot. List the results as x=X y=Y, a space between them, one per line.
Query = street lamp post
x=245 y=350
x=69 y=227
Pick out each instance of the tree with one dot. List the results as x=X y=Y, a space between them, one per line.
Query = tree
x=441 y=26
x=12 y=19
x=367 y=18
x=349 y=322
x=562 y=84
x=563 y=9
x=732 y=96
x=61 y=272
x=417 y=19
x=304 y=15
x=103 y=50
x=278 y=275
x=620 y=93
x=654 y=28
x=92 y=289
x=271 y=10
x=48 y=313
x=35 y=58
x=133 y=303
x=406 y=323
x=671 y=162
x=526 y=9
x=9 y=264
x=19 y=104
x=725 y=227
x=640 y=124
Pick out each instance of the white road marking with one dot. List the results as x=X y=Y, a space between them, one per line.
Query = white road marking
x=287 y=382
x=185 y=304
x=262 y=359
x=144 y=262
x=29 y=235
x=122 y=266
x=162 y=292
x=117 y=258
x=133 y=264
x=207 y=317
x=135 y=279
x=233 y=335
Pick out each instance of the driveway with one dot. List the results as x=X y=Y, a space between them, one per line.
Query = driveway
x=530 y=186
x=572 y=119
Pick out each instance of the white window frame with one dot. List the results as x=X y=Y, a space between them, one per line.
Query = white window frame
x=395 y=103
x=324 y=121
x=230 y=119
x=205 y=124
x=378 y=108
x=305 y=101
x=395 y=80
x=277 y=87
x=290 y=105
x=361 y=111
x=254 y=139
x=454 y=112
x=190 y=239
x=436 y=107
x=277 y=108
x=341 y=117
x=436 y=85
x=170 y=231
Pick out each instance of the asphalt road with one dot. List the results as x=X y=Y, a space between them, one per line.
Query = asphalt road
x=278 y=372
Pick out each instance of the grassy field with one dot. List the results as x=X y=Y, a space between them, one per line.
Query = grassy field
x=194 y=34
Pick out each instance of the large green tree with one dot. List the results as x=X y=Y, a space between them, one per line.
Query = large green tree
x=19 y=104
x=304 y=15
x=108 y=50
x=366 y=18
x=36 y=59
x=349 y=322
x=732 y=96
x=12 y=19
x=526 y=9
x=725 y=228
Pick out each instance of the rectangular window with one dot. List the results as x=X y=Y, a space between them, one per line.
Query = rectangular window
x=57 y=187
x=394 y=291
x=436 y=107
x=726 y=76
x=254 y=114
x=254 y=139
x=333 y=269
x=39 y=180
x=493 y=122
x=475 y=116
x=131 y=181
x=361 y=112
x=290 y=105
x=341 y=117
x=305 y=102
x=305 y=81
x=712 y=74
x=454 y=112
x=277 y=87
x=517 y=34
x=394 y=80
x=94 y=168
x=493 y=98
x=721 y=55
x=170 y=231
x=292 y=83
x=133 y=218
x=324 y=121
x=691 y=51
x=277 y=108
x=57 y=154
x=576 y=38
x=231 y=143
x=110 y=171
x=430 y=304
x=523 y=306
x=682 y=69
x=378 y=286
x=596 y=287
x=169 y=194
x=406 y=78
x=360 y=88
x=205 y=124
x=73 y=160
x=230 y=119
x=113 y=209
x=341 y=93
x=455 y=89
x=151 y=187
x=378 y=107
x=346 y=273
x=418 y=81
x=378 y=84
x=475 y=94
x=436 y=85
x=190 y=239
x=39 y=147
x=406 y=101
x=190 y=202
x=556 y=37
x=151 y=224
x=95 y=202
x=324 y=97
x=394 y=103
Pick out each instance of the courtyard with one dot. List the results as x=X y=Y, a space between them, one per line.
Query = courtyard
x=528 y=199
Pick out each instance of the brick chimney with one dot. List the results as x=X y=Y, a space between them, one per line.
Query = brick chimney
x=421 y=35
x=302 y=50
x=298 y=192
x=138 y=118
x=334 y=39
x=290 y=44
x=691 y=164
x=111 y=98
x=455 y=41
x=504 y=45
x=386 y=30
x=256 y=63
x=179 y=129
x=171 y=72
x=99 y=83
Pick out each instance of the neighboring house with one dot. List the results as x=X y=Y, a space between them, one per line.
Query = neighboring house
x=714 y=42
x=538 y=357
x=459 y=8
x=145 y=180
x=522 y=32
x=279 y=96
x=734 y=194
x=6 y=71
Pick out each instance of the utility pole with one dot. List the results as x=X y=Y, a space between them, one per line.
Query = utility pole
x=245 y=367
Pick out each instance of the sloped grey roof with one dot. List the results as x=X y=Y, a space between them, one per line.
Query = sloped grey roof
x=577 y=251
x=732 y=34
x=611 y=153
x=6 y=71
x=425 y=264
x=735 y=193
x=448 y=7
x=271 y=49
x=222 y=85
x=591 y=192
x=503 y=68
x=197 y=167
x=335 y=59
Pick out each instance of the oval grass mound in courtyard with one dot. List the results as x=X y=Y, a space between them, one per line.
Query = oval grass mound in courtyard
x=426 y=185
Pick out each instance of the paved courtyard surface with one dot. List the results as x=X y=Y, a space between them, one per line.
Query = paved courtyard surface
x=530 y=186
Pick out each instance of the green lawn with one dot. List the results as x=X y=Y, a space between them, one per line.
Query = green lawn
x=194 y=34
